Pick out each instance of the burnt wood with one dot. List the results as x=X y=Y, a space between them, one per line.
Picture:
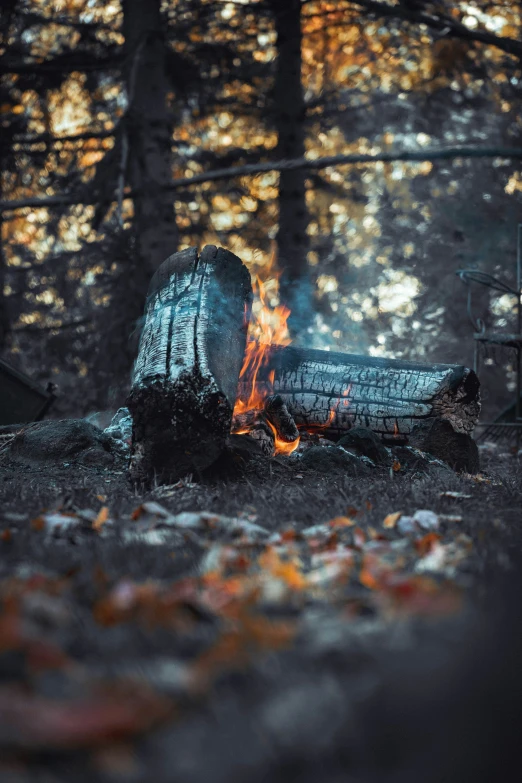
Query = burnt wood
x=189 y=359
x=278 y=415
x=333 y=392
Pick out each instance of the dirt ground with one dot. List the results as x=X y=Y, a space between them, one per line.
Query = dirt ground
x=267 y=623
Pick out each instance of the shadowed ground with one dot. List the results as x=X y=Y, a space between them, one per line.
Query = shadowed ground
x=141 y=643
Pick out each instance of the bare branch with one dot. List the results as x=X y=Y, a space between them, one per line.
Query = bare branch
x=445 y=24
x=413 y=156
x=50 y=139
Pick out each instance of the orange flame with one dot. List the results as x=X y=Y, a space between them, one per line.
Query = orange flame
x=283 y=446
x=267 y=327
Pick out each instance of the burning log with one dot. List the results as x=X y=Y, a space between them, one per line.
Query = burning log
x=271 y=426
x=189 y=359
x=279 y=417
x=332 y=392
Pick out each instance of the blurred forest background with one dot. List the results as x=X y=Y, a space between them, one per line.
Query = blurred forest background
x=106 y=105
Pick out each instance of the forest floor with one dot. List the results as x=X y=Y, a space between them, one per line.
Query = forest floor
x=282 y=625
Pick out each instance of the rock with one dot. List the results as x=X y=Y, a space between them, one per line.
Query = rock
x=333 y=460
x=426 y=519
x=155 y=537
x=365 y=443
x=57 y=523
x=437 y=437
x=120 y=427
x=407 y=526
x=70 y=440
x=414 y=461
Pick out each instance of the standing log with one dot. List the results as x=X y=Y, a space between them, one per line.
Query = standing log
x=189 y=359
x=333 y=392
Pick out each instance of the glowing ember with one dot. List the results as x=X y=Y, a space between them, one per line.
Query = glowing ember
x=317 y=429
x=268 y=327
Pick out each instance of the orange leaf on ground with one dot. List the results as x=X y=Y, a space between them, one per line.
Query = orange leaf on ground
x=101 y=519
x=287 y=571
x=289 y=535
x=391 y=520
x=425 y=544
x=367 y=579
x=341 y=522
x=396 y=466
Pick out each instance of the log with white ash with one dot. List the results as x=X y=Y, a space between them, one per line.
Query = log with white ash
x=189 y=375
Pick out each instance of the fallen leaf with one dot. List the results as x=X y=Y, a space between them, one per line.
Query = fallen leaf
x=367 y=579
x=396 y=466
x=101 y=519
x=287 y=571
x=391 y=520
x=341 y=522
x=426 y=543
x=289 y=535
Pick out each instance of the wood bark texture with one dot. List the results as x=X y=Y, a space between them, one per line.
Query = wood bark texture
x=189 y=359
x=333 y=392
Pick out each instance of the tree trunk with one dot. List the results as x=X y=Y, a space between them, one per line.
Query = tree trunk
x=189 y=359
x=332 y=392
x=4 y=317
x=289 y=110
x=147 y=148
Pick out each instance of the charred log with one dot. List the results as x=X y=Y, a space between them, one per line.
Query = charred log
x=267 y=425
x=279 y=416
x=333 y=392
x=189 y=359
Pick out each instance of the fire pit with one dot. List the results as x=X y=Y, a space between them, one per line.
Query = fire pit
x=197 y=379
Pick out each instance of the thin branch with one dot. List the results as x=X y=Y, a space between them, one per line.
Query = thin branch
x=53 y=328
x=446 y=25
x=49 y=139
x=50 y=66
x=414 y=156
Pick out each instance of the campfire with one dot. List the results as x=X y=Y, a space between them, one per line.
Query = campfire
x=212 y=362
x=259 y=412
